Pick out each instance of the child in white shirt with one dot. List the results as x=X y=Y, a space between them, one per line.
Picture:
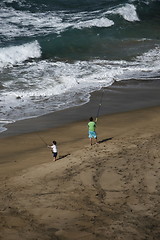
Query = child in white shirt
x=54 y=150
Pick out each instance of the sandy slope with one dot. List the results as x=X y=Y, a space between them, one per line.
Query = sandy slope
x=107 y=191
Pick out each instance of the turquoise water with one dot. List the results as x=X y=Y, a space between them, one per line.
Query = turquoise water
x=53 y=54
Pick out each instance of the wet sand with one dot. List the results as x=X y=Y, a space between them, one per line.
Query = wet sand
x=106 y=191
x=120 y=97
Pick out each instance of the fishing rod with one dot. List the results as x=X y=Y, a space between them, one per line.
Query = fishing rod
x=42 y=139
x=100 y=104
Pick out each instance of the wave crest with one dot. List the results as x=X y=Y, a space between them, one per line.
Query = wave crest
x=128 y=12
x=10 y=56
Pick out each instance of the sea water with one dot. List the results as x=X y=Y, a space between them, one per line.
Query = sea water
x=53 y=54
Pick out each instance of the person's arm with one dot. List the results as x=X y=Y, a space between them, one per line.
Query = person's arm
x=50 y=146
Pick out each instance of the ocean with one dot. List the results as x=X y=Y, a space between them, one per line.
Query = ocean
x=54 y=54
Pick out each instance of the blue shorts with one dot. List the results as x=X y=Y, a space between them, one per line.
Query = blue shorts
x=92 y=134
x=54 y=154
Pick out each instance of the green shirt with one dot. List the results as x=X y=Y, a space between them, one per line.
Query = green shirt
x=92 y=126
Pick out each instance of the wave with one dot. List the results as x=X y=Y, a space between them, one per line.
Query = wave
x=142 y=67
x=102 y=22
x=19 y=23
x=10 y=56
x=128 y=12
x=151 y=59
x=14 y=23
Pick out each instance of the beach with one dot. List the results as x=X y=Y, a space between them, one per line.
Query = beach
x=106 y=191
x=61 y=63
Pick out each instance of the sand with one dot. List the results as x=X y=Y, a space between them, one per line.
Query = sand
x=102 y=192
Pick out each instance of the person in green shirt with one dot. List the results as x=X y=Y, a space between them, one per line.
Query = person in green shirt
x=92 y=130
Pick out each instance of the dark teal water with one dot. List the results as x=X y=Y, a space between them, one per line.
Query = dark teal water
x=53 y=54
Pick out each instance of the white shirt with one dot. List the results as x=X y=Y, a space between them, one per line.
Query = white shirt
x=54 y=148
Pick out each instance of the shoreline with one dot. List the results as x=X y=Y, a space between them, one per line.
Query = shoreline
x=123 y=96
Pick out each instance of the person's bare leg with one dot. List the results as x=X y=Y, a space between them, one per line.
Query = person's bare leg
x=55 y=158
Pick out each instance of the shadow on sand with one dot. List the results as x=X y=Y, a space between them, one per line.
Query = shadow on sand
x=61 y=157
x=105 y=140
x=102 y=141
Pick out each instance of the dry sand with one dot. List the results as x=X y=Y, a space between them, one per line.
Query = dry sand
x=101 y=192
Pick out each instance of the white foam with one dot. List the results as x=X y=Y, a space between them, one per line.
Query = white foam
x=10 y=1
x=3 y=121
x=128 y=12
x=152 y=56
x=17 y=54
x=101 y=22
x=53 y=86
x=17 y=1
x=142 y=67
x=14 y=23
